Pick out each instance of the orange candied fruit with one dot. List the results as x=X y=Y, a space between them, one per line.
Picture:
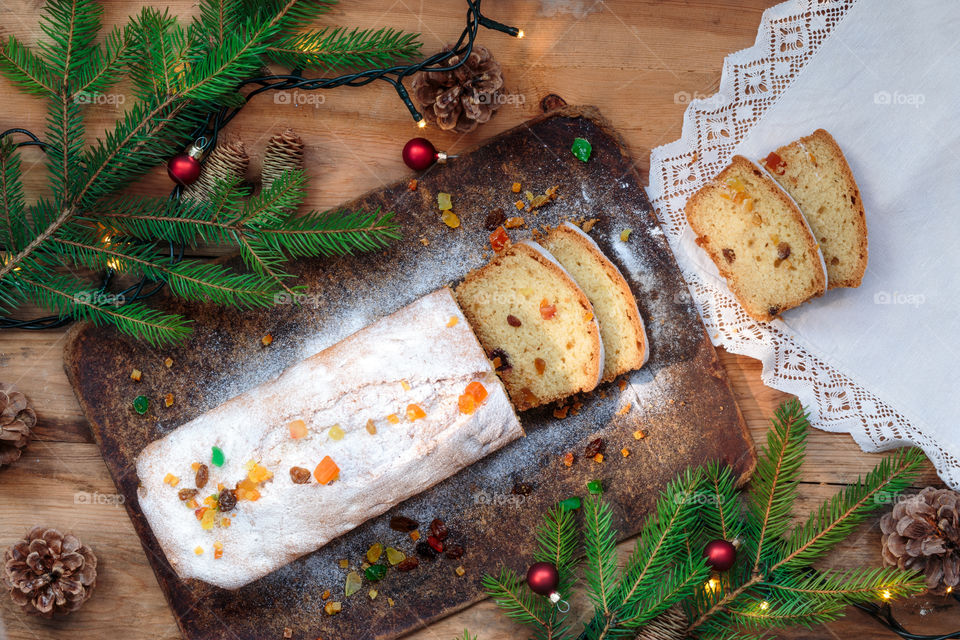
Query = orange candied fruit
x=467 y=404
x=540 y=364
x=519 y=204
x=568 y=459
x=201 y=512
x=499 y=240
x=452 y=322
x=198 y=551
x=516 y=187
x=393 y=419
x=477 y=390
x=171 y=480
x=547 y=310
x=415 y=412
x=259 y=474
x=298 y=429
x=775 y=164
x=326 y=471
x=217 y=550
x=514 y=223
x=412 y=185
x=226 y=522
x=195 y=466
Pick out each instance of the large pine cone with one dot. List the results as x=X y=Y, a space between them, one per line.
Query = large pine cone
x=50 y=573
x=17 y=418
x=228 y=162
x=923 y=533
x=284 y=153
x=461 y=99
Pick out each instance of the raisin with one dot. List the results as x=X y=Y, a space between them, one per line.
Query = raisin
x=595 y=447
x=783 y=251
x=409 y=564
x=834 y=260
x=439 y=529
x=425 y=550
x=729 y=255
x=203 y=475
x=774 y=310
x=454 y=551
x=299 y=475
x=504 y=362
x=521 y=489
x=435 y=543
x=227 y=500
x=403 y=524
x=513 y=321
x=494 y=219
x=187 y=494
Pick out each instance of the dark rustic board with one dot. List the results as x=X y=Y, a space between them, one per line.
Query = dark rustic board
x=680 y=399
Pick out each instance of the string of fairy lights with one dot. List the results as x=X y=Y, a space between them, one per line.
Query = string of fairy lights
x=205 y=137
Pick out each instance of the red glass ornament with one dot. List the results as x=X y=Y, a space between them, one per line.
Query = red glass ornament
x=543 y=578
x=420 y=154
x=184 y=168
x=720 y=554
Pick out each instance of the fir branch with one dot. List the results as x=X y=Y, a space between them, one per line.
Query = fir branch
x=761 y=615
x=71 y=27
x=12 y=228
x=775 y=481
x=600 y=541
x=106 y=65
x=677 y=585
x=850 y=586
x=557 y=543
x=721 y=511
x=835 y=520
x=290 y=14
x=219 y=17
x=512 y=595
x=25 y=69
x=339 y=48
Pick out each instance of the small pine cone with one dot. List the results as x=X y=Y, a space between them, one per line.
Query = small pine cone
x=461 y=99
x=228 y=162
x=672 y=624
x=284 y=153
x=17 y=418
x=923 y=533
x=49 y=573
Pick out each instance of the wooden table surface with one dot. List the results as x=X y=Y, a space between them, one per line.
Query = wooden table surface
x=631 y=59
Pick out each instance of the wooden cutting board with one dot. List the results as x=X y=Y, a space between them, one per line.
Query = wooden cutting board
x=681 y=399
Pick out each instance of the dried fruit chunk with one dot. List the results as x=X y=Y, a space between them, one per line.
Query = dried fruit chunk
x=596 y=446
x=775 y=164
x=466 y=404
x=326 y=471
x=208 y=519
x=371 y=428
x=439 y=529
x=395 y=556
x=454 y=551
x=299 y=475
x=581 y=149
x=393 y=418
x=202 y=477
x=409 y=564
x=267 y=340
x=171 y=480
x=424 y=550
x=494 y=219
x=352 y=584
x=375 y=572
x=540 y=364
x=547 y=310
x=168 y=400
x=513 y=320
x=332 y=608
x=403 y=524
x=141 y=404
x=135 y=375
x=435 y=543
x=516 y=187
x=444 y=202
x=514 y=223
x=415 y=412
x=450 y=219
x=460 y=571
x=226 y=500
x=187 y=494
x=336 y=433
x=568 y=459
x=477 y=390
x=374 y=552
x=499 y=240
x=216 y=456
x=217 y=550
x=298 y=429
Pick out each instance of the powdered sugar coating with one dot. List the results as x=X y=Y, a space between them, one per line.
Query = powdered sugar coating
x=359 y=379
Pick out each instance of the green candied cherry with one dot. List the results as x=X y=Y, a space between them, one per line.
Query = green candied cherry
x=141 y=404
x=581 y=149
x=216 y=457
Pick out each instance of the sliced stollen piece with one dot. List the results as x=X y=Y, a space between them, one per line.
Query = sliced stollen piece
x=621 y=326
x=757 y=236
x=535 y=323
x=333 y=441
x=814 y=171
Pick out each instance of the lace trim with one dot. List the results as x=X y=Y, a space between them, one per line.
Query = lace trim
x=790 y=34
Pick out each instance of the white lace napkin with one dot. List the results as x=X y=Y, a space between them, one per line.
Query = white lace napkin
x=882 y=76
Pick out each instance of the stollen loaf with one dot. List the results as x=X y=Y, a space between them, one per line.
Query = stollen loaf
x=336 y=439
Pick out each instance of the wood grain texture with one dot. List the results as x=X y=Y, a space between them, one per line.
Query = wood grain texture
x=632 y=60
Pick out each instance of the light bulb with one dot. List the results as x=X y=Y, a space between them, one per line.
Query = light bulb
x=422 y=124
x=520 y=33
x=764 y=605
x=886 y=595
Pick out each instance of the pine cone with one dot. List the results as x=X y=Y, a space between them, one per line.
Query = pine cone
x=49 y=573
x=670 y=625
x=461 y=99
x=228 y=162
x=17 y=418
x=923 y=533
x=284 y=153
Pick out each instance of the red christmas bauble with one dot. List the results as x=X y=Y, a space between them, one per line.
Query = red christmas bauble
x=720 y=554
x=184 y=169
x=420 y=154
x=543 y=578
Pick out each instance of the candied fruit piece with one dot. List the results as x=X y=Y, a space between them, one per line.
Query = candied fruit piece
x=253 y=495
x=775 y=164
x=547 y=310
x=519 y=204
x=326 y=471
x=408 y=564
x=299 y=475
x=168 y=400
x=414 y=535
x=135 y=375
x=395 y=556
x=467 y=404
x=332 y=608
x=344 y=563
x=625 y=452
x=171 y=480
x=452 y=321
x=217 y=550
x=454 y=552
x=141 y=404
x=625 y=234
x=226 y=522
x=336 y=432
x=371 y=427
x=372 y=594
x=435 y=543
x=374 y=552
x=352 y=584
x=259 y=474
x=499 y=239
x=514 y=223
x=405 y=385
x=516 y=187
x=208 y=519
x=540 y=364
x=187 y=494
x=376 y=572
x=568 y=459
x=450 y=219
x=412 y=185
x=581 y=149
x=639 y=435
x=393 y=418
x=529 y=195
x=267 y=340
x=298 y=429
x=460 y=571
x=415 y=412
x=477 y=390
x=595 y=487
x=216 y=456
x=598 y=458
x=444 y=202
x=735 y=184
x=198 y=551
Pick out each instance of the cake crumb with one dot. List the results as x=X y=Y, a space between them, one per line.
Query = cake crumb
x=588 y=225
x=460 y=570
x=135 y=375
x=625 y=409
x=568 y=459
x=625 y=452
x=287 y=632
x=561 y=412
x=267 y=340
x=622 y=384
x=639 y=435
x=598 y=458
x=424 y=241
x=168 y=363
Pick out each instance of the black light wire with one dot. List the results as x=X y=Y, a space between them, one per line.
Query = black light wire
x=209 y=132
